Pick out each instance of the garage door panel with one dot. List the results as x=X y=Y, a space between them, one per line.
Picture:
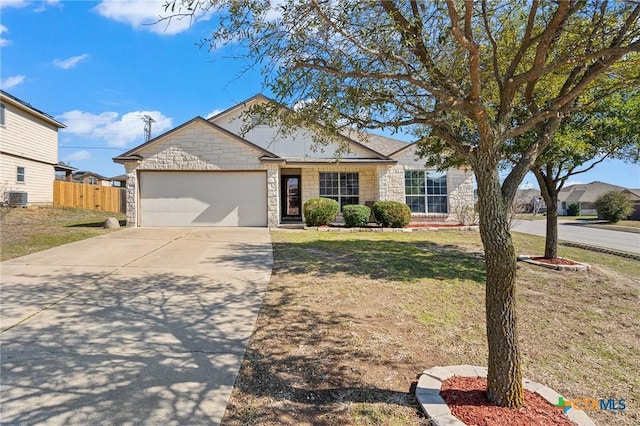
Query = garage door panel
x=203 y=199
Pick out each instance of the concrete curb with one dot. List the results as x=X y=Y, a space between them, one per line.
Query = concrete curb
x=602 y=250
x=579 y=267
x=430 y=383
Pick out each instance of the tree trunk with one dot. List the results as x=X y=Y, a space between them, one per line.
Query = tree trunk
x=551 y=242
x=550 y=195
x=504 y=380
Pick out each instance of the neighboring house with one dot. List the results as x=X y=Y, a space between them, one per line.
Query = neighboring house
x=584 y=195
x=120 y=181
x=28 y=151
x=634 y=196
x=64 y=172
x=529 y=201
x=203 y=173
x=90 y=178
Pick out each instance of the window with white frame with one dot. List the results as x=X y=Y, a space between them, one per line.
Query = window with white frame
x=342 y=187
x=20 y=174
x=426 y=191
x=2 y=108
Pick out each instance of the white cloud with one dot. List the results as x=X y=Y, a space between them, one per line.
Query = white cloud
x=12 y=81
x=147 y=15
x=116 y=130
x=214 y=112
x=3 y=41
x=12 y=3
x=77 y=156
x=45 y=4
x=275 y=12
x=41 y=5
x=71 y=62
x=526 y=185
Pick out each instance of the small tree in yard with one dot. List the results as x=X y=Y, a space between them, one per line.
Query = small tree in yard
x=613 y=206
x=605 y=124
x=466 y=78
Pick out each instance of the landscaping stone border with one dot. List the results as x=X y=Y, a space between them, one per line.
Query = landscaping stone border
x=380 y=229
x=602 y=250
x=578 y=267
x=430 y=383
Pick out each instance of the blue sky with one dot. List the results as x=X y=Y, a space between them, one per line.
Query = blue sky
x=98 y=67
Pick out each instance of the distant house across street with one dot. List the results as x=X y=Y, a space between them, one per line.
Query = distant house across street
x=634 y=197
x=90 y=178
x=585 y=196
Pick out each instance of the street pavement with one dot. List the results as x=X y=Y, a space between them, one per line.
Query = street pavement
x=144 y=326
x=575 y=231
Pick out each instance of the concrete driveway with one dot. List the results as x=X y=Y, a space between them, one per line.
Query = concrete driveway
x=139 y=326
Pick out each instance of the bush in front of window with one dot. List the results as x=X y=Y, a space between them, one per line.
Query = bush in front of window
x=392 y=214
x=356 y=215
x=573 y=210
x=320 y=211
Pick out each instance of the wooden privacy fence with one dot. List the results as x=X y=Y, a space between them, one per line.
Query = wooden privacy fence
x=85 y=196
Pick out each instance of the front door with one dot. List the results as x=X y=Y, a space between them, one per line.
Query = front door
x=291 y=197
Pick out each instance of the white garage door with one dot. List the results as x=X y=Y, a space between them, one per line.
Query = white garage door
x=203 y=198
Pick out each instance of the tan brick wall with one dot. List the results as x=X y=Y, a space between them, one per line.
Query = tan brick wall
x=459 y=184
x=366 y=178
x=200 y=147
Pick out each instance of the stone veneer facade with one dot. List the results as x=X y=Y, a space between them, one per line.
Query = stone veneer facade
x=200 y=147
x=459 y=185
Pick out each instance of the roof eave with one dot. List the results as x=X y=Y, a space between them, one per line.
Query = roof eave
x=133 y=151
x=121 y=159
x=63 y=168
x=333 y=161
x=19 y=103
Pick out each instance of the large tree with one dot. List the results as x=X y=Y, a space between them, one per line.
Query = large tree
x=606 y=126
x=454 y=73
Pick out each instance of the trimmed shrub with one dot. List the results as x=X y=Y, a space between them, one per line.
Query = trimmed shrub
x=392 y=214
x=613 y=206
x=573 y=210
x=320 y=211
x=356 y=215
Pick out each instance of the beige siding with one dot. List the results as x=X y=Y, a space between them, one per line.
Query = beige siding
x=38 y=182
x=28 y=136
x=298 y=144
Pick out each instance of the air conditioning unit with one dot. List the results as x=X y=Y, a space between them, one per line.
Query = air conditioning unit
x=16 y=198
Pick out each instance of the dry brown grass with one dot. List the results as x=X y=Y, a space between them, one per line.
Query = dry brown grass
x=32 y=229
x=351 y=319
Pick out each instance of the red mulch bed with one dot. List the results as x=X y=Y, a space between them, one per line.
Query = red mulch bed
x=557 y=261
x=467 y=400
